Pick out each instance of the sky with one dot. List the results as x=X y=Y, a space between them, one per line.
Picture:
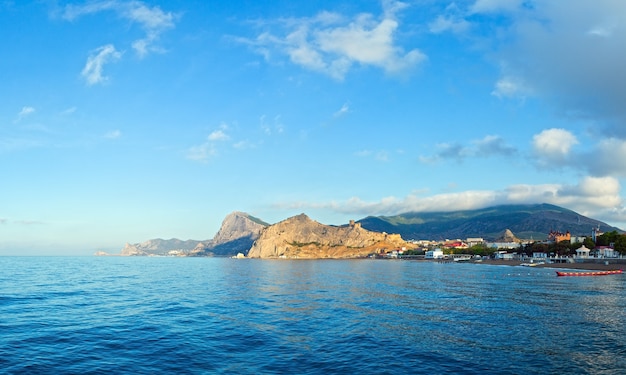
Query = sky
x=123 y=121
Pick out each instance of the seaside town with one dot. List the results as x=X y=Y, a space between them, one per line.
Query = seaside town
x=560 y=247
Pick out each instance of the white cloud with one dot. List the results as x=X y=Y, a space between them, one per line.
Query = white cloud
x=93 y=70
x=330 y=44
x=554 y=145
x=152 y=20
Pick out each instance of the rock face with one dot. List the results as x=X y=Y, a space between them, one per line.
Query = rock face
x=301 y=237
x=508 y=236
x=236 y=235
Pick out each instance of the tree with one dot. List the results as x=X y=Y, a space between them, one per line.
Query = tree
x=588 y=243
x=620 y=244
x=606 y=239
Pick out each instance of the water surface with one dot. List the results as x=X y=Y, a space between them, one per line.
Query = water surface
x=213 y=315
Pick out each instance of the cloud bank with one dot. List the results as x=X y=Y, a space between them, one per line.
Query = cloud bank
x=598 y=197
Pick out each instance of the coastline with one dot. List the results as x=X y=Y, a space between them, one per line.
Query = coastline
x=613 y=265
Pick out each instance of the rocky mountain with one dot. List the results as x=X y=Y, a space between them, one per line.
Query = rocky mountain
x=236 y=235
x=507 y=236
x=533 y=221
x=301 y=237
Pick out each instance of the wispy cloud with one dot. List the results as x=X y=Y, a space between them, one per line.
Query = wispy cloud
x=113 y=134
x=345 y=109
x=453 y=20
x=69 y=111
x=378 y=155
x=93 y=70
x=208 y=149
x=271 y=126
x=24 y=112
x=490 y=145
x=218 y=135
x=15 y=144
x=153 y=20
x=511 y=87
x=5 y=221
x=332 y=44
x=202 y=152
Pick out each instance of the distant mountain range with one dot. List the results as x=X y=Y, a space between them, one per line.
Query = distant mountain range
x=532 y=221
x=237 y=234
x=239 y=231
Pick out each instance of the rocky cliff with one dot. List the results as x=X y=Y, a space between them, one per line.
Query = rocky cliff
x=301 y=237
x=236 y=235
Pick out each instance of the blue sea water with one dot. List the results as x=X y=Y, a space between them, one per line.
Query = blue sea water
x=115 y=315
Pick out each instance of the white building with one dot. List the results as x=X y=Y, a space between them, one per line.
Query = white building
x=607 y=252
x=504 y=245
x=473 y=241
x=504 y=255
x=434 y=254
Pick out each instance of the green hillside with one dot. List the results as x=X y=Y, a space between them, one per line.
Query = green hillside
x=525 y=221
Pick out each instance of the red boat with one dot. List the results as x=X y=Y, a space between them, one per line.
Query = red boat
x=589 y=273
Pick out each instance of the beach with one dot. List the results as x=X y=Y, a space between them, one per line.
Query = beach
x=593 y=265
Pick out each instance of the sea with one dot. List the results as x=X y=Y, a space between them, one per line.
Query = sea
x=167 y=315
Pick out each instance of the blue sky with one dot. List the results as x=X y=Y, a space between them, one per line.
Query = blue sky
x=122 y=121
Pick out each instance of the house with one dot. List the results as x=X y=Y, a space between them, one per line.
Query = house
x=606 y=252
x=473 y=241
x=392 y=254
x=504 y=245
x=556 y=236
x=434 y=254
x=539 y=255
x=503 y=255
x=455 y=245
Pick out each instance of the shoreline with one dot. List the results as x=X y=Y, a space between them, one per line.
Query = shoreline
x=613 y=265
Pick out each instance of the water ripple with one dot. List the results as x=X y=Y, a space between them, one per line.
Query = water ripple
x=203 y=315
